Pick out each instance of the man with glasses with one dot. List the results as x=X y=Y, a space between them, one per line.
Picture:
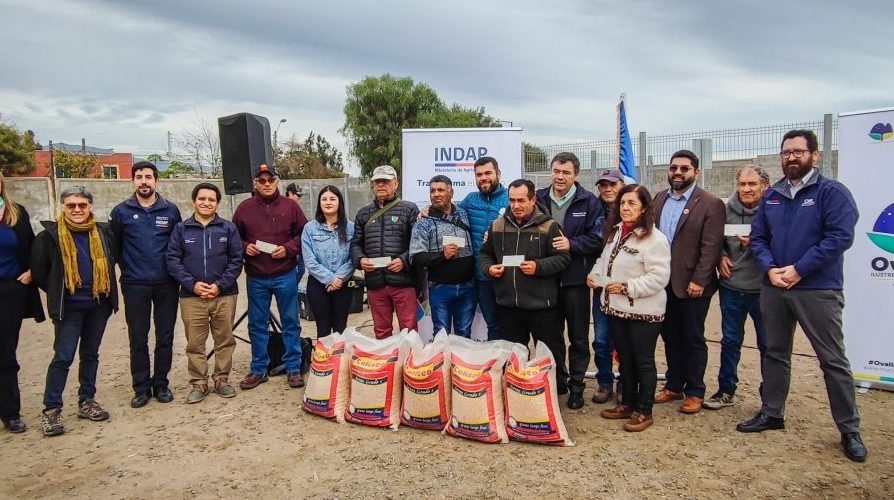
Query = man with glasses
x=804 y=225
x=142 y=226
x=270 y=226
x=693 y=221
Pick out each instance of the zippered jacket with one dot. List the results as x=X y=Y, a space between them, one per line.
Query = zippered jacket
x=211 y=254
x=48 y=274
x=483 y=209
x=276 y=220
x=534 y=240
x=581 y=227
x=386 y=236
x=810 y=230
x=427 y=249
x=142 y=236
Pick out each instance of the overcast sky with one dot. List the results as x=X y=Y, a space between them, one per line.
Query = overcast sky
x=122 y=73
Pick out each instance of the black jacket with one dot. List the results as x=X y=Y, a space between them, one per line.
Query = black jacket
x=25 y=238
x=387 y=236
x=48 y=274
x=534 y=240
x=581 y=227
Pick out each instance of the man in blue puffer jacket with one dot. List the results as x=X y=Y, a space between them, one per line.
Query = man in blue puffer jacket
x=799 y=236
x=483 y=208
x=142 y=225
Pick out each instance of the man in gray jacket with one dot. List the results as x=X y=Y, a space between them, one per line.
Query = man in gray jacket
x=740 y=283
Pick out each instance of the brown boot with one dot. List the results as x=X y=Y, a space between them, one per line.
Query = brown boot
x=665 y=395
x=638 y=422
x=617 y=413
x=603 y=394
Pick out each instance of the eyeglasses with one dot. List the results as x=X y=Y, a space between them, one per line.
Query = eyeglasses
x=265 y=180
x=797 y=153
x=683 y=169
x=79 y=206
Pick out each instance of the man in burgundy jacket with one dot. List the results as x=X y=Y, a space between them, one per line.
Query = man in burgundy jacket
x=270 y=226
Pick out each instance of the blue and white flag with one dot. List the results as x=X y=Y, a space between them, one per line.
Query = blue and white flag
x=626 y=160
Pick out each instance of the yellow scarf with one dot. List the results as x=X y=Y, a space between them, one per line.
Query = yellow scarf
x=70 y=255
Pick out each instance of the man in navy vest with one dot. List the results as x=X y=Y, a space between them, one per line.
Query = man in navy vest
x=142 y=226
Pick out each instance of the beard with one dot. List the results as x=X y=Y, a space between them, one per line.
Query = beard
x=489 y=189
x=798 y=168
x=145 y=196
x=680 y=184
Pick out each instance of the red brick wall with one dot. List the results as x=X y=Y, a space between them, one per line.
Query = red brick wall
x=124 y=161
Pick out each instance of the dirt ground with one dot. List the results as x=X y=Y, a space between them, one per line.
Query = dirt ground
x=261 y=443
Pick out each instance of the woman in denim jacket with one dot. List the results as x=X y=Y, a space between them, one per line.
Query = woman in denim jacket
x=326 y=245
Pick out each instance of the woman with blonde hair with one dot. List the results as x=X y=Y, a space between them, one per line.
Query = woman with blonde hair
x=73 y=261
x=18 y=300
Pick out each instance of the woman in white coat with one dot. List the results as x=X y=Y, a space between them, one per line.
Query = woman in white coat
x=633 y=271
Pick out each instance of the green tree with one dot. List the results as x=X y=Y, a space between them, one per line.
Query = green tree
x=76 y=165
x=16 y=150
x=377 y=108
x=315 y=158
x=177 y=168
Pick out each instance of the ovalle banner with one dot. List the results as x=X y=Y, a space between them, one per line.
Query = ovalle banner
x=453 y=152
x=866 y=167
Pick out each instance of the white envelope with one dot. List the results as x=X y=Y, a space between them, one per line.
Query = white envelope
x=737 y=229
x=380 y=261
x=456 y=240
x=513 y=260
x=265 y=247
x=601 y=280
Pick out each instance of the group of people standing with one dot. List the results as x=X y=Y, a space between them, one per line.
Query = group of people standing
x=527 y=259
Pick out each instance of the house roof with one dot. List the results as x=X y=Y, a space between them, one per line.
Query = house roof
x=76 y=148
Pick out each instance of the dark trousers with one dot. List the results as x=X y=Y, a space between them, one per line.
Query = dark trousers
x=519 y=325
x=487 y=303
x=139 y=301
x=683 y=333
x=819 y=314
x=574 y=303
x=635 y=342
x=330 y=308
x=81 y=330
x=13 y=304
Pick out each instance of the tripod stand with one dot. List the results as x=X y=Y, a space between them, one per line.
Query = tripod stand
x=275 y=327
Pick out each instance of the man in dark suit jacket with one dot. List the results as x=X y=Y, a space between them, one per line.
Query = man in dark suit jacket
x=693 y=220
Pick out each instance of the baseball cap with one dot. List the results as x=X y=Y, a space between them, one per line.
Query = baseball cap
x=385 y=172
x=609 y=174
x=264 y=169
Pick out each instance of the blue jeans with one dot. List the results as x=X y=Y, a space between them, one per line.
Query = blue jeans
x=453 y=307
x=487 y=301
x=260 y=293
x=735 y=307
x=83 y=325
x=602 y=344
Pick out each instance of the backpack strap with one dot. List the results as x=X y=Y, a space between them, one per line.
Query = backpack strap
x=381 y=212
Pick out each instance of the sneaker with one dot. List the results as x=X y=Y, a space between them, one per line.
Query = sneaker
x=638 y=422
x=52 y=422
x=197 y=394
x=90 y=409
x=720 y=400
x=224 y=389
x=252 y=380
x=295 y=380
x=603 y=394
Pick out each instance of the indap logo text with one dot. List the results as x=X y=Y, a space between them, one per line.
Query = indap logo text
x=458 y=156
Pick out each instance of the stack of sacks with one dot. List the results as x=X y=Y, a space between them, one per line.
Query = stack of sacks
x=376 y=381
x=532 y=405
x=426 y=396
x=327 y=389
x=476 y=375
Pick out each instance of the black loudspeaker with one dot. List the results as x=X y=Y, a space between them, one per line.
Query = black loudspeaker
x=244 y=146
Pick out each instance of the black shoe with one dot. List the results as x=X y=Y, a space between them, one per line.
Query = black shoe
x=15 y=425
x=853 y=446
x=140 y=400
x=761 y=423
x=575 y=400
x=163 y=395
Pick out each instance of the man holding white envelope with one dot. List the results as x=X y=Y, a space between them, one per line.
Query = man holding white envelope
x=441 y=243
x=270 y=226
x=518 y=253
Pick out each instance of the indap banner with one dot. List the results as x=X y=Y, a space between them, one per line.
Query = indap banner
x=866 y=167
x=452 y=152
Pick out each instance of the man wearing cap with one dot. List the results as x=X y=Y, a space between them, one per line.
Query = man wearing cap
x=270 y=226
x=294 y=193
x=380 y=247
x=609 y=183
x=142 y=226
x=575 y=210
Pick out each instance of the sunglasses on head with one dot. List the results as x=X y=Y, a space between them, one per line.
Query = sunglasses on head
x=684 y=169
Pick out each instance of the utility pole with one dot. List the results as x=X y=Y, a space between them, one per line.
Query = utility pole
x=169 y=144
